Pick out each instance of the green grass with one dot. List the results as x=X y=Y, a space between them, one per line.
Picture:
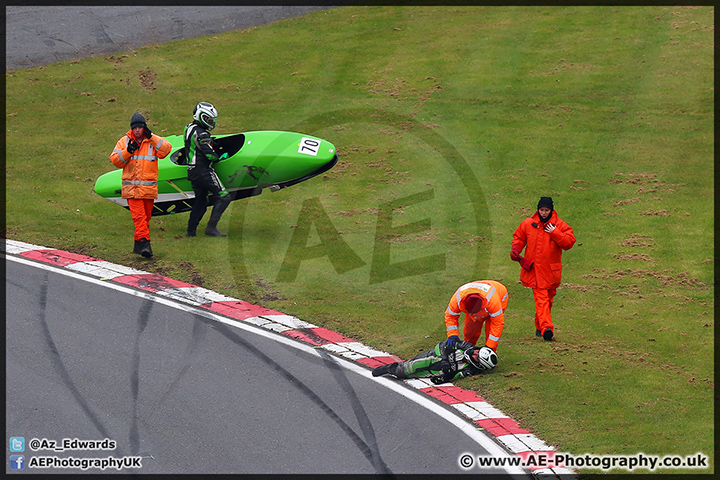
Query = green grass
x=450 y=124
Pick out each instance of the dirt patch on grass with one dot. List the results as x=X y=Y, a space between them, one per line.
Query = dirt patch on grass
x=267 y=293
x=341 y=168
x=635 y=178
x=625 y=202
x=147 y=79
x=592 y=355
x=646 y=182
x=423 y=236
x=116 y=60
x=582 y=288
x=665 y=278
x=358 y=211
x=184 y=271
x=563 y=65
x=638 y=240
x=400 y=88
x=194 y=276
x=395 y=178
x=657 y=213
x=149 y=265
x=84 y=250
x=624 y=257
x=524 y=211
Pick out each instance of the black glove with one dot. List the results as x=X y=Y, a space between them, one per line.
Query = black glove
x=445 y=366
x=437 y=379
x=452 y=340
x=204 y=138
x=148 y=133
x=440 y=378
x=132 y=146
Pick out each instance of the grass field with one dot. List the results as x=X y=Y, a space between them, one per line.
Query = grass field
x=450 y=123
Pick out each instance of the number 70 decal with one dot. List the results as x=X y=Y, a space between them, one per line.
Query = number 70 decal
x=309 y=146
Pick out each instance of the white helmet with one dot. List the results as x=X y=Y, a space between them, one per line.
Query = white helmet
x=487 y=359
x=205 y=114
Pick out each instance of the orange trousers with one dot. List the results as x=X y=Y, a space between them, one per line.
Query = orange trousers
x=543 y=305
x=472 y=328
x=141 y=212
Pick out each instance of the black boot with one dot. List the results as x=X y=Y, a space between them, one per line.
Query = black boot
x=221 y=204
x=212 y=231
x=384 y=370
x=547 y=335
x=198 y=210
x=145 y=249
x=138 y=247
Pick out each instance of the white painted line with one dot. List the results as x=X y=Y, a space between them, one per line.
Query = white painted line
x=277 y=327
x=480 y=410
x=524 y=442
x=420 y=383
x=398 y=387
x=195 y=295
x=289 y=321
x=17 y=247
x=104 y=269
x=363 y=349
x=444 y=384
x=259 y=321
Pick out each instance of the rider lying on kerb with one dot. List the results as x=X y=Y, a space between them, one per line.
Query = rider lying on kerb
x=443 y=363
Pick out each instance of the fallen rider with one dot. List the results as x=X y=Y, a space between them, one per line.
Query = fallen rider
x=443 y=363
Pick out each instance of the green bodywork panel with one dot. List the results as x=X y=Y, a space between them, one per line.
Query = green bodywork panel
x=255 y=160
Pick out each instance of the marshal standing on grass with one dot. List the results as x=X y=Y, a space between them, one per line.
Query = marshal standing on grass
x=443 y=363
x=200 y=156
x=137 y=154
x=544 y=237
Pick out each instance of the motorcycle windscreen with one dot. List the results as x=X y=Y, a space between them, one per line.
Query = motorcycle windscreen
x=229 y=145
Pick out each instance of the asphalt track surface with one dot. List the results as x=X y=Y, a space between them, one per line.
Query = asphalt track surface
x=190 y=392
x=40 y=35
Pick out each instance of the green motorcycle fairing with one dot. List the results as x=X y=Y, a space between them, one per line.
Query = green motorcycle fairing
x=251 y=162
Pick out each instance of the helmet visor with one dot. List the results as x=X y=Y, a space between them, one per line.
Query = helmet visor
x=473 y=360
x=208 y=119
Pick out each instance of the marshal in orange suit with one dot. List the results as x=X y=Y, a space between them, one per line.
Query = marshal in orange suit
x=484 y=303
x=544 y=237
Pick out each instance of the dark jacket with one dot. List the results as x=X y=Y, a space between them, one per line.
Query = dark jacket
x=198 y=147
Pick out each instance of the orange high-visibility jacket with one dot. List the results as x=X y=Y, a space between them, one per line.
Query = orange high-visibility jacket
x=543 y=249
x=140 y=170
x=493 y=294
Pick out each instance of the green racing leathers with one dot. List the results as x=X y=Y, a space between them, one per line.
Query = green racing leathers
x=200 y=157
x=442 y=363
